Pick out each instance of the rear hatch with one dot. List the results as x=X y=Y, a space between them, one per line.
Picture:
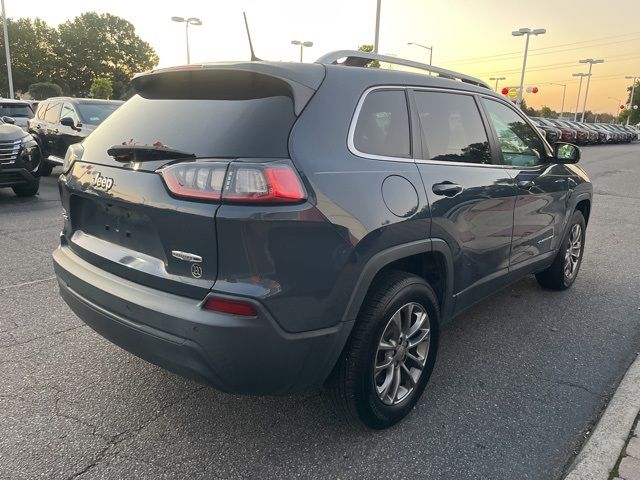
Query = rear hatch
x=123 y=214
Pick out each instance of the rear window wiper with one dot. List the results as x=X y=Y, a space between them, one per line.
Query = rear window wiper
x=145 y=153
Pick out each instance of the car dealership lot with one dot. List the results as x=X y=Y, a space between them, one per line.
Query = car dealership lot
x=519 y=382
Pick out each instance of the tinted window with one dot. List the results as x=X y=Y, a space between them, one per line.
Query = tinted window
x=53 y=112
x=96 y=113
x=520 y=144
x=383 y=125
x=69 y=111
x=452 y=128
x=256 y=127
x=16 y=110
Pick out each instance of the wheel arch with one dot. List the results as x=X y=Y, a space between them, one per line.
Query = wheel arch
x=430 y=259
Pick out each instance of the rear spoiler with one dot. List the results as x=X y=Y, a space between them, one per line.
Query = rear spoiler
x=232 y=81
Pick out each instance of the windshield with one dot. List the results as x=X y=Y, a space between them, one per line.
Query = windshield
x=16 y=110
x=96 y=113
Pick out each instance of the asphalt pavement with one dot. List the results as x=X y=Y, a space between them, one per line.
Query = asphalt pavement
x=520 y=381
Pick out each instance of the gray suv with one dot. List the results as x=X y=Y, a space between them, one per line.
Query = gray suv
x=267 y=228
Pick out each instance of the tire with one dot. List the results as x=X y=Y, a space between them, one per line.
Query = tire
x=28 y=190
x=560 y=275
x=352 y=388
x=45 y=168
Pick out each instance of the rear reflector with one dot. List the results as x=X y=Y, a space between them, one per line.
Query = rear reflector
x=221 y=305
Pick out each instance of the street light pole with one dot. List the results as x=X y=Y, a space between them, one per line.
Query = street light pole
x=633 y=91
x=377 y=34
x=497 y=79
x=564 y=93
x=426 y=48
x=188 y=21
x=519 y=33
x=591 y=63
x=618 y=103
x=302 y=45
x=581 y=75
x=6 y=49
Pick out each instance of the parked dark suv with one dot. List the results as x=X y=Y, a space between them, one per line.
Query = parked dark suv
x=20 y=159
x=315 y=224
x=63 y=121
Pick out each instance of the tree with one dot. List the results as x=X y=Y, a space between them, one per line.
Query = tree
x=33 y=57
x=44 y=90
x=546 y=112
x=369 y=49
x=95 y=46
x=530 y=112
x=101 y=88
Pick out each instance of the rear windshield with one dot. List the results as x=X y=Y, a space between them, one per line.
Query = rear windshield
x=257 y=127
x=96 y=113
x=16 y=110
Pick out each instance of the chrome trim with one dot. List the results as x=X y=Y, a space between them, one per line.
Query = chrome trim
x=186 y=256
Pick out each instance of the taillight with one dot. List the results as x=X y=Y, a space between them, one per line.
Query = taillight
x=275 y=182
x=240 y=182
x=233 y=307
x=196 y=180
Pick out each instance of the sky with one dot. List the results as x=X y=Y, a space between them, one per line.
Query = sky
x=469 y=36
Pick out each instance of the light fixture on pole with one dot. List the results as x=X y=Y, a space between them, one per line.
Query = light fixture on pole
x=6 y=49
x=581 y=75
x=426 y=48
x=302 y=45
x=188 y=21
x=497 y=79
x=633 y=91
x=519 y=33
x=618 y=104
x=591 y=63
x=564 y=93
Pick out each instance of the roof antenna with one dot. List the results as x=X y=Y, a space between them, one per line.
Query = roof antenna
x=253 y=55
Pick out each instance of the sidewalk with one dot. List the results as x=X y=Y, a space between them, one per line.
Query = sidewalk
x=614 y=447
x=628 y=466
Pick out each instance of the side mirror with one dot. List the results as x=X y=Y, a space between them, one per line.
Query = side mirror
x=68 y=122
x=566 y=153
x=9 y=120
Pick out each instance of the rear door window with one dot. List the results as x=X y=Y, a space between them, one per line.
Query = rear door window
x=452 y=129
x=382 y=127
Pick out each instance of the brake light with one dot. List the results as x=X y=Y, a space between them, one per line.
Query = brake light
x=262 y=183
x=195 y=180
x=271 y=182
x=233 y=307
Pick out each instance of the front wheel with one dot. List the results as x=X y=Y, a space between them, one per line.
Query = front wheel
x=564 y=269
x=390 y=355
x=28 y=190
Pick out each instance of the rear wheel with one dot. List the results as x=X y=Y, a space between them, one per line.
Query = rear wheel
x=28 y=190
x=390 y=355
x=564 y=269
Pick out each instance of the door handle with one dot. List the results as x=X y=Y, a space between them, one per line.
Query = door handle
x=525 y=184
x=446 y=189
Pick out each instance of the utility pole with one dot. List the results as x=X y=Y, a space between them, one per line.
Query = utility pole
x=497 y=79
x=377 y=37
x=564 y=92
x=591 y=63
x=7 y=50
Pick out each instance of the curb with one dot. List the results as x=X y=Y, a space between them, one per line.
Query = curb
x=600 y=454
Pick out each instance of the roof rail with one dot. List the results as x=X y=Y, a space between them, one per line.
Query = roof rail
x=354 y=58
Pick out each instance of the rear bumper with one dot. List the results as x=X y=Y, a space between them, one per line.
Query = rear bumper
x=230 y=353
